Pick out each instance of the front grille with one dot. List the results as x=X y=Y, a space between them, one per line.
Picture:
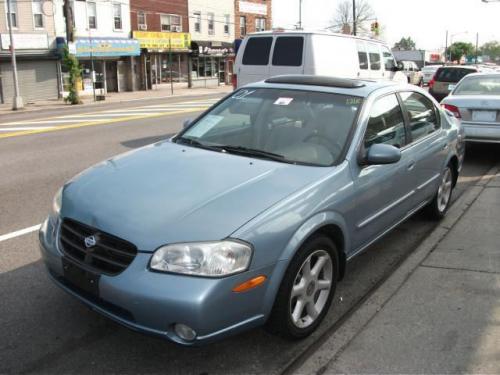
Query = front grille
x=107 y=254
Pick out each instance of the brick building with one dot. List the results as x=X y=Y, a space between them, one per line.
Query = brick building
x=162 y=29
x=252 y=16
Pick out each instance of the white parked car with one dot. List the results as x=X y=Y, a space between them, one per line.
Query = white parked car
x=428 y=72
x=476 y=100
x=271 y=53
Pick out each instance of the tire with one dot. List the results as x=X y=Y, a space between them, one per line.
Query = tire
x=438 y=207
x=295 y=320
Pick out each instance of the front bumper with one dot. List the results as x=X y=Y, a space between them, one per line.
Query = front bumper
x=153 y=302
x=482 y=132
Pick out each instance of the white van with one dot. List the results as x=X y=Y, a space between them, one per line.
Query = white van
x=270 y=53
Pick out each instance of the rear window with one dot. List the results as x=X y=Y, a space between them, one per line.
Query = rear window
x=288 y=51
x=452 y=74
x=257 y=51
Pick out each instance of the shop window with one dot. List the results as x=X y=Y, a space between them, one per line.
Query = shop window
x=117 y=14
x=211 y=26
x=141 y=20
x=13 y=12
x=37 y=14
x=197 y=22
x=92 y=15
x=243 y=25
x=171 y=22
x=260 y=24
x=226 y=24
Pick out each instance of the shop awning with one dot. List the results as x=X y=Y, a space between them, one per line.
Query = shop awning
x=106 y=47
x=159 y=41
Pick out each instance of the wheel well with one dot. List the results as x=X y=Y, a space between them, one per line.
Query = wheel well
x=454 y=168
x=335 y=234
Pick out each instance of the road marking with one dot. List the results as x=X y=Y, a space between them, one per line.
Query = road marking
x=20 y=232
x=25 y=128
x=125 y=114
x=29 y=122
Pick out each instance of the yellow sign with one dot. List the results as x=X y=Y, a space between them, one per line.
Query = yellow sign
x=162 y=40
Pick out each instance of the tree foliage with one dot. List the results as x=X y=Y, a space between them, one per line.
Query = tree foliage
x=405 y=44
x=342 y=19
x=491 y=49
x=460 y=49
x=71 y=64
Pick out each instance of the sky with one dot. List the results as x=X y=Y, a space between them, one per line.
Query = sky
x=425 y=21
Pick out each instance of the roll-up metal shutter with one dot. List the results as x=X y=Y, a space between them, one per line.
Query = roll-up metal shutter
x=37 y=80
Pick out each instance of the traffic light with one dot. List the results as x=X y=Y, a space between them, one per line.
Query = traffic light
x=375 y=28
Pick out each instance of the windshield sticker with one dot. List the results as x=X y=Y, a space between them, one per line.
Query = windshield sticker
x=204 y=126
x=353 y=101
x=242 y=94
x=283 y=101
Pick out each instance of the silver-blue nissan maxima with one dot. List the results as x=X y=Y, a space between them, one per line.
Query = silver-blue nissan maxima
x=248 y=216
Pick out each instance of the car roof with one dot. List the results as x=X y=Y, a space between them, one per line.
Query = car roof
x=483 y=74
x=460 y=67
x=312 y=32
x=328 y=84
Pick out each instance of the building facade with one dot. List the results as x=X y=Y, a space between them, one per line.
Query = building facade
x=212 y=28
x=162 y=29
x=34 y=32
x=252 y=16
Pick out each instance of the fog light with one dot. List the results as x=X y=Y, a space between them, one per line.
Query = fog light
x=185 y=332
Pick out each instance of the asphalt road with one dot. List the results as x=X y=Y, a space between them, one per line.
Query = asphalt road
x=45 y=330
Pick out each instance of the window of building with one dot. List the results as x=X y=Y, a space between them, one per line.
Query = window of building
x=13 y=12
x=362 y=56
x=260 y=24
x=92 y=15
x=257 y=51
x=243 y=25
x=171 y=22
x=288 y=51
x=226 y=23
x=422 y=115
x=197 y=22
x=117 y=14
x=37 y=14
x=141 y=20
x=211 y=26
x=386 y=124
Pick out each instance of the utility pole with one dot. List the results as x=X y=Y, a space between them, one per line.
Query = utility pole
x=477 y=46
x=446 y=48
x=17 y=102
x=68 y=15
x=354 y=17
x=300 y=15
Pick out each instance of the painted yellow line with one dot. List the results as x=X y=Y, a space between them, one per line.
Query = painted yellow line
x=94 y=123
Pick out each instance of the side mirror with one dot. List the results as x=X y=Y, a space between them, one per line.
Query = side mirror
x=383 y=154
x=187 y=123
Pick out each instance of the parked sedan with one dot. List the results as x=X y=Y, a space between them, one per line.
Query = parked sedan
x=476 y=101
x=250 y=215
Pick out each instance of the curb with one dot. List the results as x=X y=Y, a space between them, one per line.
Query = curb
x=336 y=342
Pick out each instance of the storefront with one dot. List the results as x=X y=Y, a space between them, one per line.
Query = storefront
x=211 y=63
x=111 y=60
x=164 y=58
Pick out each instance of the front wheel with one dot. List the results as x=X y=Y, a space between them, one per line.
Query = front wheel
x=439 y=205
x=306 y=291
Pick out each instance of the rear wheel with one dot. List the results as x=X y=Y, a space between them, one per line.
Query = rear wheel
x=306 y=291
x=439 y=205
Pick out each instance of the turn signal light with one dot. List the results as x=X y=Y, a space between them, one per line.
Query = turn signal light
x=249 y=284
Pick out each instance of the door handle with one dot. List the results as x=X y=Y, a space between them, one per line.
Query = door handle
x=411 y=165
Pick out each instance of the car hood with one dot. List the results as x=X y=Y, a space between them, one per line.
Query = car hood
x=166 y=193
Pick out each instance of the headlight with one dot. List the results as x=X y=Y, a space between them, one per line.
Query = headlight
x=209 y=259
x=56 y=204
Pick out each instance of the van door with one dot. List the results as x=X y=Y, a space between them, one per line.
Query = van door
x=364 y=68
x=376 y=71
x=255 y=62
x=288 y=55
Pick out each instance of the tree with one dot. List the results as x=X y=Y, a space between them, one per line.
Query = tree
x=342 y=20
x=73 y=67
x=490 y=49
x=405 y=44
x=460 y=49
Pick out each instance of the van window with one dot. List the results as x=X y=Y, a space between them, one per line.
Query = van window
x=288 y=51
x=257 y=51
x=362 y=55
x=374 y=53
x=389 y=62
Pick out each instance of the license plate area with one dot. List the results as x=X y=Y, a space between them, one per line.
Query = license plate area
x=484 y=116
x=81 y=278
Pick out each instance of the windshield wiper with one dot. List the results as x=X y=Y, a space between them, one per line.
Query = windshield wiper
x=195 y=143
x=252 y=152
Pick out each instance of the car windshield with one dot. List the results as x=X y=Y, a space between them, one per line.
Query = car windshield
x=290 y=126
x=477 y=85
x=452 y=74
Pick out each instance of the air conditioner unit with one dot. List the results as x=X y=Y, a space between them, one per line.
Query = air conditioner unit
x=176 y=28
x=143 y=27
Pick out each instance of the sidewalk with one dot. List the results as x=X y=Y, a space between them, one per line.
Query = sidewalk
x=162 y=91
x=440 y=311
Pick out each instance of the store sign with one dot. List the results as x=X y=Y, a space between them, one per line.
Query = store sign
x=25 y=41
x=163 y=40
x=106 y=47
x=254 y=8
x=214 y=51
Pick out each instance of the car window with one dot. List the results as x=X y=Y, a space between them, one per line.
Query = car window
x=362 y=55
x=257 y=51
x=479 y=85
x=386 y=123
x=452 y=74
x=374 y=53
x=288 y=51
x=389 y=62
x=421 y=113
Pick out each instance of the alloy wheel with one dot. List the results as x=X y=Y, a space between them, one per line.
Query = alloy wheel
x=444 y=192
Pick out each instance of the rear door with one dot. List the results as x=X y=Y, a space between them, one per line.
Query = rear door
x=376 y=69
x=255 y=62
x=288 y=55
